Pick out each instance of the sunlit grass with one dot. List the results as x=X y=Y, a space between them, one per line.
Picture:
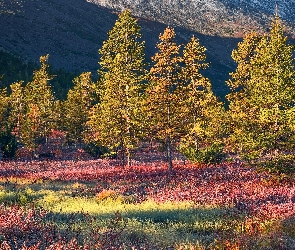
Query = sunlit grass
x=162 y=224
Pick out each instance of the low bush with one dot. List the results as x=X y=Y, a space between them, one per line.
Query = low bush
x=106 y=194
x=98 y=151
x=20 y=197
x=211 y=154
x=281 y=164
x=31 y=228
x=8 y=145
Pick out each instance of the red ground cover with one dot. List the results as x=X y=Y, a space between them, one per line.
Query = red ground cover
x=227 y=184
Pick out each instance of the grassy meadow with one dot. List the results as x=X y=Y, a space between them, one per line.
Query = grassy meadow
x=95 y=204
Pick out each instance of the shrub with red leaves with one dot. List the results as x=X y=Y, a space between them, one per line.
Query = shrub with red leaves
x=226 y=185
x=26 y=228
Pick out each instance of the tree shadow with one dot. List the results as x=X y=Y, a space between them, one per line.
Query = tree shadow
x=154 y=224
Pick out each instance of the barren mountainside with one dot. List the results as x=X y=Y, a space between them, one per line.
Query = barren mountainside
x=212 y=17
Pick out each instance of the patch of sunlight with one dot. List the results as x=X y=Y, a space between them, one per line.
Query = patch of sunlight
x=65 y=204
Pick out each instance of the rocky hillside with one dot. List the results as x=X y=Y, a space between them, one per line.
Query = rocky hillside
x=230 y=18
x=286 y=7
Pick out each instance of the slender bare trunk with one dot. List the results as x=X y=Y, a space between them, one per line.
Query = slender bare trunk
x=128 y=157
x=169 y=153
x=122 y=154
x=123 y=158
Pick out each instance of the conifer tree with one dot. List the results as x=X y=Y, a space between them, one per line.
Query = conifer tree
x=76 y=108
x=162 y=103
x=4 y=108
x=263 y=94
x=115 y=120
x=39 y=107
x=202 y=113
x=17 y=107
x=8 y=145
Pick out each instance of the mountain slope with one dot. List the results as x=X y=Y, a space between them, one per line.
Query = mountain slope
x=72 y=32
x=286 y=7
x=230 y=18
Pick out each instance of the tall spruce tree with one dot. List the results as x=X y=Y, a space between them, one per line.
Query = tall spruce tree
x=80 y=100
x=263 y=95
x=8 y=144
x=39 y=107
x=162 y=102
x=116 y=119
x=17 y=107
x=201 y=112
x=4 y=109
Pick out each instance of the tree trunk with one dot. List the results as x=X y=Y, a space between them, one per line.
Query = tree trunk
x=197 y=146
x=128 y=157
x=122 y=154
x=169 y=153
x=123 y=158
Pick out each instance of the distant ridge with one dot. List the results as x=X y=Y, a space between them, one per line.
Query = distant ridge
x=230 y=18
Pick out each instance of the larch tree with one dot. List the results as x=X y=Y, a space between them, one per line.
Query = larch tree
x=240 y=115
x=4 y=109
x=116 y=119
x=39 y=107
x=76 y=107
x=17 y=107
x=8 y=144
x=262 y=107
x=202 y=114
x=162 y=102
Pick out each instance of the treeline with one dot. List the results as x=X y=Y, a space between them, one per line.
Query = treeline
x=169 y=101
x=13 y=68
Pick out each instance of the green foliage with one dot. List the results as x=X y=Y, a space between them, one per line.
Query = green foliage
x=177 y=106
x=20 y=197
x=180 y=104
x=279 y=164
x=261 y=106
x=115 y=121
x=14 y=69
x=162 y=104
x=39 y=107
x=98 y=151
x=75 y=109
x=4 y=109
x=16 y=107
x=210 y=154
x=203 y=114
x=62 y=82
x=8 y=144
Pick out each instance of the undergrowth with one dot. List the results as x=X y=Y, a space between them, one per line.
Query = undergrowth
x=204 y=207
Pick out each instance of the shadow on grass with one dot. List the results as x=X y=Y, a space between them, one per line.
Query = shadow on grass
x=20 y=192
x=288 y=227
x=156 y=227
